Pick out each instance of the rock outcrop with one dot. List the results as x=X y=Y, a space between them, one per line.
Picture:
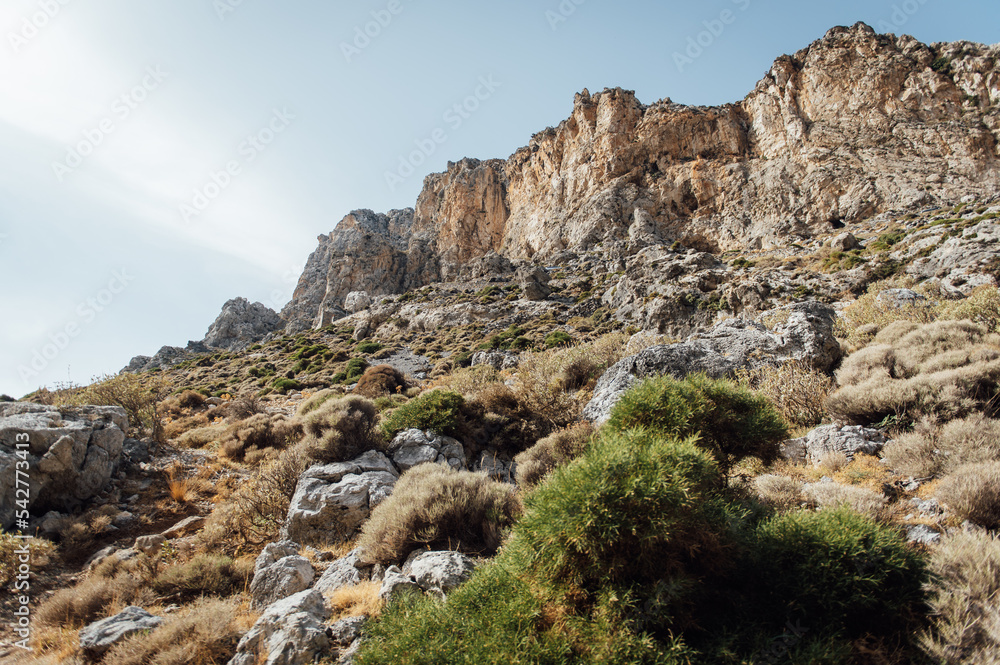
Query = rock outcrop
x=72 y=453
x=291 y=631
x=853 y=125
x=100 y=636
x=806 y=334
x=241 y=324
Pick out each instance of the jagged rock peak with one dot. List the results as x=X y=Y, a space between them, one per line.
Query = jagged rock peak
x=853 y=125
x=240 y=324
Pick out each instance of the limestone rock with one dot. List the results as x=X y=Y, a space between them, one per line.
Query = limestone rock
x=345 y=631
x=332 y=501
x=185 y=527
x=395 y=582
x=412 y=447
x=833 y=439
x=279 y=572
x=289 y=632
x=498 y=360
x=439 y=571
x=355 y=301
x=534 y=282
x=346 y=571
x=100 y=636
x=806 y=334
x=844 y=242
x=241 y=324
x=150 y=544
x=72 y=453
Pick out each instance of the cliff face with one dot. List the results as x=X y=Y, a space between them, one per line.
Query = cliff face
x=854 y=125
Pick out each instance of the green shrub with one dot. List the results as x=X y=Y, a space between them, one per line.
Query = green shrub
x=557 y=338
x=284 y=385
x=633 y=508
x=438 y=410
x=433 y=506
x=842 y=571
x=355 y=368
x=731 y=421
x=368 y=348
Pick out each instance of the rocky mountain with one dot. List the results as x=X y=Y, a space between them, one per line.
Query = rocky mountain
x=855 y=125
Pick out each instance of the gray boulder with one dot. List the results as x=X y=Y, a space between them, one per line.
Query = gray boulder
x=922 y=534
x=279 y=572
x=438 y=571
x=100 y=636
x=357 y=301
x=899 y=298
x=72 y=453
x=291 y=631
x=844 y=242
x=827 y=439
x=806 y=334
x=498 y=360
x=412 y=447
x=150 y=544
x=534 y=282
x=332 y=501
x=346 y=571
x=240 y=324
x=344 y=632
x=395 y=582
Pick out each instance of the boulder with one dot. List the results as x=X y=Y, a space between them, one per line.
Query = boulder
x=289 y=632
x=240 y=324
x=344 y=632
x=805 y=334
x=844 y=242
x=534 y=282
x=827 y=439
x=165 y=358
x=72 y=454
x=412 y=447
x=185 y=527
x=100 y=636
x=279 y=572
x=899 y=298
x=498 y=360
x=438 y=571
x=922 y=535
x=395 y=582
x=150 y=544
x=346 y=571
x=355 y=301
x=332 y=501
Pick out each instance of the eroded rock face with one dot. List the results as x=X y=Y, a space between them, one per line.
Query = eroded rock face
x=853 y=125
x=833 y=439
x=72 y=453
x=806 y=334
x=279 y=572
x=291 y=631
x=241 y=324
x=412 y=447
x=332 y=501
x=101 y=635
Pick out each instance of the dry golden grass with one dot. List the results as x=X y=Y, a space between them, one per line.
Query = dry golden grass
x=865 y=471
x=964 y=599
x=358 y=600
x=41 y=553
x=859 y=499
x=860 y=320
x=177 y=487
x=797 y=390
x=779 y=492
x=972 y=492
x=932 y=449
x=554 y=450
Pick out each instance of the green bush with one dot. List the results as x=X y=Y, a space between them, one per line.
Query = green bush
x=283 y=385
x=557 y=338
x=437 y=410
x=732 y=422
x=355 y=368
x=368 y=348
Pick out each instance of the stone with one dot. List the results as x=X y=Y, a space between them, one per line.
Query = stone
x=833 y=439
x=440 y=572
x=844 y=242
x=534 y=282
x=136 y=451
x=241 y=324
x=332 y=501
x=280 y=579
x=395 y=582
x=498 y=360
x=150 y=544
x=806 y=334
x=100 y=636
x=345 y=631
x=496 y=467
x=349 y=570
x=186 y=527
x=355 y=301
x=922 y=534
x=412 y=447
x=897 y=298
x=72 y=454
x=291 y=631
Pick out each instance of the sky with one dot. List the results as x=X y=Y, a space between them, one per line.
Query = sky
x=158 y=158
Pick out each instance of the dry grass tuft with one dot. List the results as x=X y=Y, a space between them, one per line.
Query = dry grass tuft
x=379 y=381
x=964 y=599
x=554 y=450
x=41 y=553
x=859 y=499
x=779 y=492
x=973 y=493
x=933 y=450
x=797 y=390
x=358 y=600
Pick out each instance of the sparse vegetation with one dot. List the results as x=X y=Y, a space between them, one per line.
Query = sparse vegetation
x=438 y=410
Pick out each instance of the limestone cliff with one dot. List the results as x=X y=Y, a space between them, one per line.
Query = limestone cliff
x=854 y=125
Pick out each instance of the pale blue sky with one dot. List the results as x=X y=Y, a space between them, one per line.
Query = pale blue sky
x=181 y=85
